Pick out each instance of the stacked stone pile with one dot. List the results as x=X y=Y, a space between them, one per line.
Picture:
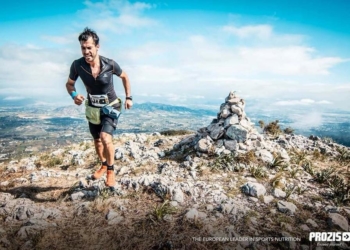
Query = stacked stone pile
x=232 y=131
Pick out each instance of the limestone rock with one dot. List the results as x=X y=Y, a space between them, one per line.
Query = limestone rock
x=268 y=199
x=216 y=132
x=236 y=110
x=278 y=193
x=113 y=217
x=265 y=155
x=232 y=120
x=237 y=132
x=337 y=220
x=230 y=145
x=192 y=214
x=253 y=189
x=178 y=195
x=204 y=145
x=286 y=207
x=225 y=113
x=312 y=223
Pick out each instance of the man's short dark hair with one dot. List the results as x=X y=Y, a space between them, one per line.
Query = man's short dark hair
x=84 y=36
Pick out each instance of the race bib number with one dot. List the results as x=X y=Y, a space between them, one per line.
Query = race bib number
x=99 y=100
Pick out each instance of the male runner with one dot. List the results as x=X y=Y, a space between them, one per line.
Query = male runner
x=97 y=72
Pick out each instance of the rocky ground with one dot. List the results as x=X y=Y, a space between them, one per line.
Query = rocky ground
x=225 y=187
x=167 y=198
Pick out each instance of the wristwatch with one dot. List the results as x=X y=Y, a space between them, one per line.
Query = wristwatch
x=128 y=98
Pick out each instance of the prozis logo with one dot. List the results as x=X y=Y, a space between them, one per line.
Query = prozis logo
x=329 y=236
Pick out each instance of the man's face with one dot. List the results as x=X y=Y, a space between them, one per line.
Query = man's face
x=89 y=49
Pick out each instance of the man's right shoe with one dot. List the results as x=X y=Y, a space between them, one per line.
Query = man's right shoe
x=110 y=178
x=98 y=174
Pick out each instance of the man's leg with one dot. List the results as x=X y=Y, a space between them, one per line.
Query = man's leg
x=107 y=141
x=106 y=136
x=95 y=132
x=108 y=147
x=100 y=149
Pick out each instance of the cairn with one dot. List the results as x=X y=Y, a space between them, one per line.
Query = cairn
x=231 y=132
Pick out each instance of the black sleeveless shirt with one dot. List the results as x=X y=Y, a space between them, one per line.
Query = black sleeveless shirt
x=100 y=89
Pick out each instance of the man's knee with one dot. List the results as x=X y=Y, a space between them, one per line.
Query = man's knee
x=97 y=141
x=106 y=139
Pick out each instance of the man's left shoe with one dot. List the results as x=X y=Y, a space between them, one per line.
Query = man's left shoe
x=98 y=174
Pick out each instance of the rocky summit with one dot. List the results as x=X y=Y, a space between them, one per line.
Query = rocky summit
x=233 y=132
x=227 y=186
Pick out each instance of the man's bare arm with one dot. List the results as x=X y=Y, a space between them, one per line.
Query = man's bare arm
x=70 y=86
x=127 y=88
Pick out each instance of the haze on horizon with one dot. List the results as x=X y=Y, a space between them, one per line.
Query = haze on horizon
x=285 y=53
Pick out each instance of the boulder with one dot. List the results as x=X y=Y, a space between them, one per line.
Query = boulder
x=237 y=132
x=236 y=110
x=231 y=120
x=337 y=220
x=203 y=145
x=230 y=145
x=286 y=207
x=253 y=189
x=216 y=131
x=264 y=155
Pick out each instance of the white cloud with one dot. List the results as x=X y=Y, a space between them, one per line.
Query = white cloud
x=307 y=121
x=13 y=98
x=295 y=102
x=63 y=40
x=259 y=31
x=210 y=68
x=290 y=60
x=301 y=102
x=262 y=35
x=116 y=16
x=324 y=102
x=32 y=71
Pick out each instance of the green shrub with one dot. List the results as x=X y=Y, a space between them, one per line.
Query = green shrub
x=298 y=156
x=176 y=132
x=307 y=166
x=324 y=175
x=340 y=188
x=160 y=211
x=343 y=156
x=224 y=162
x=273 y=128
x=258 y=172
x=288 y=130
x=246 y=158
x=277 y=162
x=261 y=124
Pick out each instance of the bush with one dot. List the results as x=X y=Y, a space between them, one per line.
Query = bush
x=288 y=130
x=173 y=132
x=224 y=162
x=54 y=161
x=246 y=158
x=273 y=128
x=261 y=124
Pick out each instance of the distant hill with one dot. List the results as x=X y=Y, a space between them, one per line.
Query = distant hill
x=149 y=106
x=71 y=110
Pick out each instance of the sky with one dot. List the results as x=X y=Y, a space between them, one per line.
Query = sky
x=279 y=53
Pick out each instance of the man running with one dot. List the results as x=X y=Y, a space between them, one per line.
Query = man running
x=97 y=72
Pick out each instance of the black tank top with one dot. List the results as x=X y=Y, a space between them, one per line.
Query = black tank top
x=100 y=89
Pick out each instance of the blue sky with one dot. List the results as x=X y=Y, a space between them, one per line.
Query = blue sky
x=283 y=53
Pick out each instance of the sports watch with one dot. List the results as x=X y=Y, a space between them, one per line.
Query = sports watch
x=128 y=98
